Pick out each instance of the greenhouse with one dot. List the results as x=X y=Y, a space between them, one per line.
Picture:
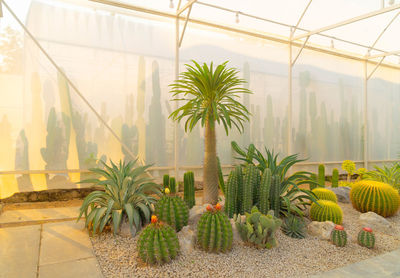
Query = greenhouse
x=190 y=138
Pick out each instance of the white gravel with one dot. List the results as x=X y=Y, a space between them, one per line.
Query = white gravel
x=117 y=256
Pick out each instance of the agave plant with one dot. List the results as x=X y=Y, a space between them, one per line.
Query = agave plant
x=389 y=175
x=293 y=226
x=126 y=195
x=293 y=198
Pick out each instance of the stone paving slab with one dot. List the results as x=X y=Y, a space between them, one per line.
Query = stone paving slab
x=19 y=251
x=37 y=216
x=87 y=268
x=63 y=242
x=383 y=266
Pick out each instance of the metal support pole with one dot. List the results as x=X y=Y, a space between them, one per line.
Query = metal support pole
x=176 y=152
x=301 y=49
x=301 y=17
x=365 y=115
x=289 y=131
x=376 y=67
x=184 y=26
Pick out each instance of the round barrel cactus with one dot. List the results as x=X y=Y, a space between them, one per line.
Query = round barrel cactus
x=158 y=243
x=172 y=210
x=326 y=211
x=339 y=236
x=375 y=196
x=214 y=231
x=366 y=238
x=325 y=194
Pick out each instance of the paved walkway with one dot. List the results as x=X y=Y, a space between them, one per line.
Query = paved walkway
x=61 y=249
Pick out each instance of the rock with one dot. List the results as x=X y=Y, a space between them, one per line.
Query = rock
x=322 y=230
x=125 y=230
x=342 y=193
x=375 y=222
x=187 y=239
x=195 y=214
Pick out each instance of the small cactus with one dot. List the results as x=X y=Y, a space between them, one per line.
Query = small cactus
x=172 y=210
x=325 y=194
x=166 y=181
x=158 y=243
x=214 y=231
x=172 y=184
x=366 y=238
x=326 y=211
x=335 y=178
x=321 y=175
x=188 y=189
x=339 y=236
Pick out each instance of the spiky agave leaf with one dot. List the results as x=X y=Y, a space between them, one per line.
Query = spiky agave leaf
x=293 y=226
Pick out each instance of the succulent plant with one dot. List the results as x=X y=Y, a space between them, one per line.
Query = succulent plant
x=221 y=181
x=188 y=189
x=249 y=186
x=158 y=243
x=375 y=196
x=326 y=211
x=366 y=238
x=293 y=226
x=166 y=181
x=265 y=187
x=339 y=236
x=258 y=229
x=172 y=184
x=231 y=194
x=214 y=231
x=172 y=210
x=275 y=195
x=325 y=194
x=349 y=166
x=321 y=175
x=335 y=177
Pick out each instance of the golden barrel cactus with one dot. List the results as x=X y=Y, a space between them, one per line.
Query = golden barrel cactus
x=375 y=196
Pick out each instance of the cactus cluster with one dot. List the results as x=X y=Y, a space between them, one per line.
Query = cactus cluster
x=188 y=189
x=366 y=238
x=339 y=236
x=375 y=196
x=326 y=211
x=158 y=243
x=325 y=194
x=172 y=210
x=335 y=178
x=321 y=175
x=293 y=226
x=214 y=231
x=258 y=229
x=169 y=182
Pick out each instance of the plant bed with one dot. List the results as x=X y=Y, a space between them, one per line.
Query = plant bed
x=117 y=256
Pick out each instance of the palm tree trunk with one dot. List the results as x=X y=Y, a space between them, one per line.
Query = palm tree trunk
x=210 y=170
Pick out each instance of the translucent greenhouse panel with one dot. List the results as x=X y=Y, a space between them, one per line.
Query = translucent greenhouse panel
x=262 y=65
x=384 y=114
x=327 y=108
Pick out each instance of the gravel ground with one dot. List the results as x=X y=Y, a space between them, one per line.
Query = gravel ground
x=117 y=256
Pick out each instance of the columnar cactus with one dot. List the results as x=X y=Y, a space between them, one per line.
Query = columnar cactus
x=231 y=194
x=366 y=238
x=325 y=194
x=321 y=175
x=214 y=231
x=375 y=196
x=166 y=181
x=339 y=236
x=188 y=189
x=265 y=187
x=258 y=229
x=172 y=210
x=275 y=194
x=172 y=184
x=326 y=211
x=335 y=178
x=249 y=184
x=158 y=243
x=239 y=198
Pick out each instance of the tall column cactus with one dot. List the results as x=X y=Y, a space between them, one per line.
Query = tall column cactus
x=275 y=194
x=335 y=178
x=231 y=194
x=321 y=175
x=265 y=187
x=249 y=184
x=188 y=190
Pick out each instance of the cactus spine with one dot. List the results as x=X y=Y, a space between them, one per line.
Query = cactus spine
x=366 y=238
x=188 y=190
x=172 y=210
x=249 y=182
x=166 y=181
x=275 y=194
x=158 y=244
x=321 y=175
x=214 y=232
x=375 y=196
x=325 y=194
x=231 y=194
x=326 y=211
x=335 y=178
x=265 y=187
x=339 y=236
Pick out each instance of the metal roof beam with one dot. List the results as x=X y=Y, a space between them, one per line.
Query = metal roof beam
x=383 y=31
x=301 y=17
x=187 y=5
x=348 y=21
x=384 y=54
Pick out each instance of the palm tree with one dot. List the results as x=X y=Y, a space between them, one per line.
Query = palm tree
x=209 y=97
